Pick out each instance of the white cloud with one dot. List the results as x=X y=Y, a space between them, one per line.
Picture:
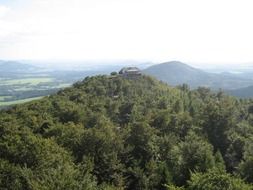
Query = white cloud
x=160 y=30
x=3 y=10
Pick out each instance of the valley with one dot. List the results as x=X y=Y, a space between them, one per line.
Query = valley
x=126 y=95
x=21 y=82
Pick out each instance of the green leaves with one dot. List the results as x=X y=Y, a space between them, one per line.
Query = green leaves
x=194 y=154
x=112 y=133
x=216 y=180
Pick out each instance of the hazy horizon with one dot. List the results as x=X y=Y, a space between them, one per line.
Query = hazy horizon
x=91 y=64
x=246 y=67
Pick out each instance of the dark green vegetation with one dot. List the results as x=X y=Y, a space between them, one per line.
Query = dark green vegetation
x=177 y=73
x=114 y=133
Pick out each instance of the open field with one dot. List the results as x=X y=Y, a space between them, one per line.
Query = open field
x=64 y=85
x=4 y=97
x=31 y=81
x=19 y=90
x=24 y=88
x=18 y=101
x=18 y=87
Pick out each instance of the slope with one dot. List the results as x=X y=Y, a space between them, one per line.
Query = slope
x=15 y=67
x=246 y=92
x=176 y=73
x=107 y=132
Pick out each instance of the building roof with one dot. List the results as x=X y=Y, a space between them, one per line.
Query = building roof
x=129 y=70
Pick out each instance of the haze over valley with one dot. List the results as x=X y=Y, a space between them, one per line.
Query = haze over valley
x=126 y=95
x=23 y=81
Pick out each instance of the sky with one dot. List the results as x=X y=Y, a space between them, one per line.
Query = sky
x=199 y=31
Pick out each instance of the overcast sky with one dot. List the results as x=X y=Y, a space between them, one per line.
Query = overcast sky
x=202 y=31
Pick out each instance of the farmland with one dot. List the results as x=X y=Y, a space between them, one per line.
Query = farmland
x=9 y=103
x=30 y=81
x=18 y=89
x=21 y=82
x=2 y=98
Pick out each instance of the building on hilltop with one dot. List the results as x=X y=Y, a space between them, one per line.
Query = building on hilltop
x=130 y=72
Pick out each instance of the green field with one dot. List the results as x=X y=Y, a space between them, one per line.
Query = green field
x=20 y=90
x=64 y=85
x=18 y=101
x=24 y=88
x=32 y=81
x=4 y=97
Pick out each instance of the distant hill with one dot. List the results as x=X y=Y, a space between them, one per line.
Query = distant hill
x=176 y=73
x=246 y=92
x=15 y=66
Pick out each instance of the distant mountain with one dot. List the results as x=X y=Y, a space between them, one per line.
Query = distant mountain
x=246 y=75
x=176 y=73
x=15 y=66
x=246 y=92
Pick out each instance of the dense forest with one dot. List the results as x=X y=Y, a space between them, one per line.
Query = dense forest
x=111 y=133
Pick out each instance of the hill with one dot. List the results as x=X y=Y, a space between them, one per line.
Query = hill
x=112 y=133
x=246 y=92
x=15 y=67
x=177 y=73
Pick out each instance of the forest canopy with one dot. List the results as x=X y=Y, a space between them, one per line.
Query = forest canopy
x=108 y=132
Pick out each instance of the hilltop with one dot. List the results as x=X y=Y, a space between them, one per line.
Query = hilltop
x=178 y=73
x=108 y=132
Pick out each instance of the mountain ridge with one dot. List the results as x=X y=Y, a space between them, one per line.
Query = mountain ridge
x=177 y=73
x=246 y=92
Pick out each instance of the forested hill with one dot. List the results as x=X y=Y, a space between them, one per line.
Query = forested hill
x=177 y=73
x=111 y=133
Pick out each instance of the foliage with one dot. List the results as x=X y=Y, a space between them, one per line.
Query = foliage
x=216 y=180
x=109 y=132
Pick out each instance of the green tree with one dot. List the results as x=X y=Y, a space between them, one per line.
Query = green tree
x=194 y=154
x=216 y=180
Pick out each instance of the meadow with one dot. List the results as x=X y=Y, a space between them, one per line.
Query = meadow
x=17 y=90
x=9 y=103
x=2 y=98
x=18 y=87
x=31 y=81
